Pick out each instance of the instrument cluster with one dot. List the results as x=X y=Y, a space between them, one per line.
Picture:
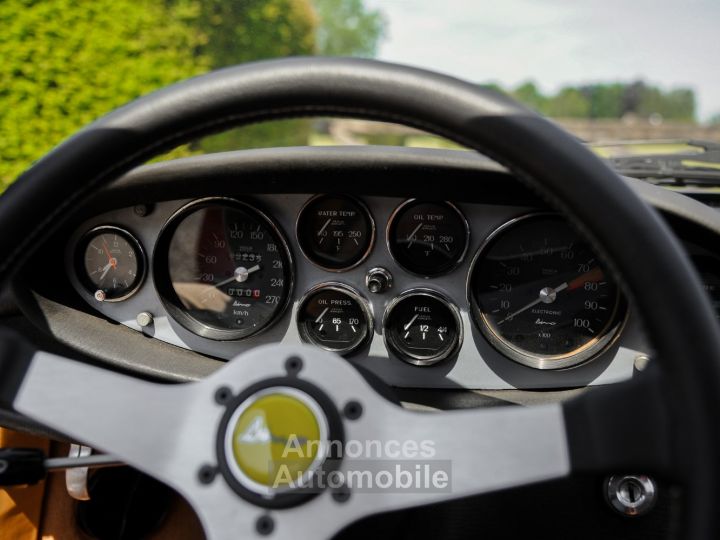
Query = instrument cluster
x=416 y=281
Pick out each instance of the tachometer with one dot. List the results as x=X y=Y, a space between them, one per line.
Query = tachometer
x=542 y=296
x=223 y=269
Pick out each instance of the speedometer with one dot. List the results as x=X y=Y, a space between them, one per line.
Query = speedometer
x=223 y=269
x=542 y=296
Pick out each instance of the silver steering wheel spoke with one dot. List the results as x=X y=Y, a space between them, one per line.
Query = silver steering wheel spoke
x=171 y=432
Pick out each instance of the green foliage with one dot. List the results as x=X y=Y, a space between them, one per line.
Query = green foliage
x=246 y=30
x=529 y=94
x=676 y=104
x=606 y=100
x=67 y=62
x=348 y=28
x=568 y=103
x=610 y=101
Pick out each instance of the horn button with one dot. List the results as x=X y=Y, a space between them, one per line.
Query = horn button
x=275 y=437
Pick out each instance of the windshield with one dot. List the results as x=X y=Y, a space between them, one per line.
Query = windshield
x=606 y=70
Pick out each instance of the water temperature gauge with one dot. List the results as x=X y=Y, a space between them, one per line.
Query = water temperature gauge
x=335 y=318
x=422 y=327
x=335 y=232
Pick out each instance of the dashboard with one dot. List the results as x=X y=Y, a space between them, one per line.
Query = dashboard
x=449 y=288
x=402 y=285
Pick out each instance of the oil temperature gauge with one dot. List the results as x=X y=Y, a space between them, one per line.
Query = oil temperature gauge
x=427 y=238
x=335 y=318
x=422 y=327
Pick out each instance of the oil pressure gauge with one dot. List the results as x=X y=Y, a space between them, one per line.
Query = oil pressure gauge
x=422 y=327
x=335 y=318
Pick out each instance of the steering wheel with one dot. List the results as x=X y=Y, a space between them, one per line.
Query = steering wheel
x=205 y=440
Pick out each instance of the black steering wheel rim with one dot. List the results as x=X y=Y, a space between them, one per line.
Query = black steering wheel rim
x=629 y=234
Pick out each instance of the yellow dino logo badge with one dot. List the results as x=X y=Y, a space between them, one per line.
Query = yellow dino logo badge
x=276 y=439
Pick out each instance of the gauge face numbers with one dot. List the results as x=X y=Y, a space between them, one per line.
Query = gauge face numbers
x=110 y=263
x=422 y=328
x=335 y=318
x=228 y=271
x=335 y=232
x=541 y=295
x=428 y=238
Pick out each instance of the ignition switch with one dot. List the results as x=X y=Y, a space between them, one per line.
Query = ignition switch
x=631 y=495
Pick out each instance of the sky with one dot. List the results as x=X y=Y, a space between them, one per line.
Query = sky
x=557 y=42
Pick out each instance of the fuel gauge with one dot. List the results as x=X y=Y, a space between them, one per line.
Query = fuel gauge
x=422 y=327
x=335 y=318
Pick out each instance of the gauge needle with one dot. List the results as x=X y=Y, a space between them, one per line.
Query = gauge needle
x=111 y=260
x=548 y=295
x=240 y=275
x=322 y=315
x=322 y=229
x=106 y=269
x=411 y=236
x=408 y=325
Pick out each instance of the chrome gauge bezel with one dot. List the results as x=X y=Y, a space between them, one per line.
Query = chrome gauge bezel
x=352 y=293
x=415 y=359
x=394 y=216
x=591 y=350
x=79 y=258
x=368 y=215
x=164 y=287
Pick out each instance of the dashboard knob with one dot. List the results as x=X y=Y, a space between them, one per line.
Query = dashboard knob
x=378 y=280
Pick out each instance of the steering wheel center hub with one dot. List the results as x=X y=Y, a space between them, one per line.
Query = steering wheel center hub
x=278 y=439
x=275 y=440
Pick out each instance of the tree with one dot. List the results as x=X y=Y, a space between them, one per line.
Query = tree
x=528 y=94
x=348 y=28
x=247 y=30
x=568 y=103
x=613 y=100
x=243 y=30
x=605 y=99
x=67 y=62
